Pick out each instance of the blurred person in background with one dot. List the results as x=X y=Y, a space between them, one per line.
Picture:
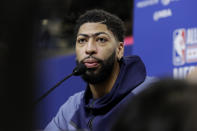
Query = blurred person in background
x=112 y=79
x=192 y=76
x=167 y=105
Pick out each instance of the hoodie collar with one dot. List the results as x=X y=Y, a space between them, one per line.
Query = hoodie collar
x=132 y=73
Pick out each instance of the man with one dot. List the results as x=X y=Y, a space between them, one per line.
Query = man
x=111 y=78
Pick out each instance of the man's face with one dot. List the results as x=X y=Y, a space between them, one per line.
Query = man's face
x=98 y=49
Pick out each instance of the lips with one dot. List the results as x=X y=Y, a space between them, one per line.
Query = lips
x=91 y=63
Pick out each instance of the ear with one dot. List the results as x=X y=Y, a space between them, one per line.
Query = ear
x=120 y=50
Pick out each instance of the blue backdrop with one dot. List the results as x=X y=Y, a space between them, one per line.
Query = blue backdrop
x=165 y=36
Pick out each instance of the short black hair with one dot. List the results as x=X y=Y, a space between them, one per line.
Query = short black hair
x=113 y=22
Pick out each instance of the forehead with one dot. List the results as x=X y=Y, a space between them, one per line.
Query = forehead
x=92 y=28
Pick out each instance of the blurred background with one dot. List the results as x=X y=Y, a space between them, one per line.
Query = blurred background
x=57 y=22
x=37 y=49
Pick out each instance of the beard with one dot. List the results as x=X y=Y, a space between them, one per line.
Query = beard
x=94 y=77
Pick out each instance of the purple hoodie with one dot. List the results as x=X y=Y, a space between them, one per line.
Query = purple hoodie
x=83 y=112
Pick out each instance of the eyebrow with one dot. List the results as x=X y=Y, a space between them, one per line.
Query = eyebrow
x=96 y=34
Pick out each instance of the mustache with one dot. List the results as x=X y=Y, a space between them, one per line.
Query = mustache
x=92 y=57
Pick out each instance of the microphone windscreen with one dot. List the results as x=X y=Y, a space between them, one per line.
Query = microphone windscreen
x=79 y=70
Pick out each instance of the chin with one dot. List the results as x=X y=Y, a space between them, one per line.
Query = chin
x=92 y=72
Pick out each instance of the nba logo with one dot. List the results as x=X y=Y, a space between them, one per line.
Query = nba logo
x=179 y=47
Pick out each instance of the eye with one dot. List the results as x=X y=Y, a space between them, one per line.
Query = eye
x=101 y=40
x=81 y=40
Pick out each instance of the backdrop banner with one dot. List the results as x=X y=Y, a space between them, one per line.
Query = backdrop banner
x=165 y=36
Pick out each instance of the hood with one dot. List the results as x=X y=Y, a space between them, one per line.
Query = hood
x=132 y=73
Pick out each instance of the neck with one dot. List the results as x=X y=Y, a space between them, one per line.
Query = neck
x=101 y=89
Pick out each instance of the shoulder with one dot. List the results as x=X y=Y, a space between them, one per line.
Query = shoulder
x=74 y=100
x=71 y=105
x=65 y=113
x=148 y=80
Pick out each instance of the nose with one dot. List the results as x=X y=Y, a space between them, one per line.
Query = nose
x=91 y=47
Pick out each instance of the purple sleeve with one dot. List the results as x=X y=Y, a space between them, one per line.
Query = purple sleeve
x=61 y=122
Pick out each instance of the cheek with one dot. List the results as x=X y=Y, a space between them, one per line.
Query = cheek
x=78 y=54
x=108 y=52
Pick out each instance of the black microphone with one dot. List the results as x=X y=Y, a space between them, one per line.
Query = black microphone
x=78 y=70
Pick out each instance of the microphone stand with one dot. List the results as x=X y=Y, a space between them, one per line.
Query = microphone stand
x=50 y=90
x=79 y=70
